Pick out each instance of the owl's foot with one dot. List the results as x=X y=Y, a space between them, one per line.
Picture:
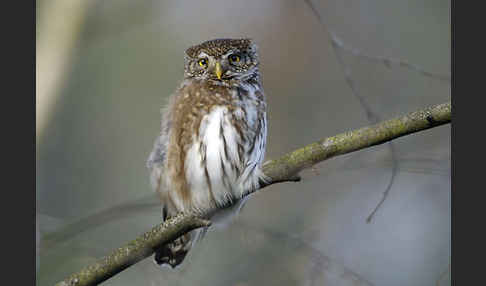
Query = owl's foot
x=174 y=252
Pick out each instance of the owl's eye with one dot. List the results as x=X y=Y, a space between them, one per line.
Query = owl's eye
x=234 y=58
x=203 y=62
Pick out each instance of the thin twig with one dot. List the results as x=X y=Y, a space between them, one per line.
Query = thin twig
x=390 y=183
x=373 y=117
x=337 y=45
x=386 y=61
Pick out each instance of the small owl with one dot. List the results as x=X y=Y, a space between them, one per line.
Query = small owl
x=212 y=143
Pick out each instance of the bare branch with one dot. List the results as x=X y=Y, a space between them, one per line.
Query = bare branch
x=286 y=168
x=373 y=117
x=289 y=165
x=135 y=250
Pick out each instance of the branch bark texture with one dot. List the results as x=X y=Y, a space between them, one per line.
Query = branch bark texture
x=285 y=168
x=288 y=166
x=134 y=251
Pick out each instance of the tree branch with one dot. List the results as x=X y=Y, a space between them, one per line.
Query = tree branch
x=135 y=250
x=288 y=166
x=285 y=168
x=339 y=47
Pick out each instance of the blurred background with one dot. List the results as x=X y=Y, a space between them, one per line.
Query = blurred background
x=105 y=68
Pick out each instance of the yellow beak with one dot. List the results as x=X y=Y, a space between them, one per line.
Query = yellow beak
x=218 y=71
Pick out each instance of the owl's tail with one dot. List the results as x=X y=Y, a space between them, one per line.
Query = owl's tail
x=173 y=254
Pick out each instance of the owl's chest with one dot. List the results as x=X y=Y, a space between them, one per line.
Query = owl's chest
x=218 y=155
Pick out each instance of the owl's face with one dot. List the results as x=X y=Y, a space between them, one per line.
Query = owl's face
x=222 y=60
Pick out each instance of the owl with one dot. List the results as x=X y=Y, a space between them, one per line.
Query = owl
x=209 y=153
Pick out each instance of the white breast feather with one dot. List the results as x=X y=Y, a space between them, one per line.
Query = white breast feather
x=233 y=188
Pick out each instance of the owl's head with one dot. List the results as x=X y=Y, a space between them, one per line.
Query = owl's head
x=222 y=60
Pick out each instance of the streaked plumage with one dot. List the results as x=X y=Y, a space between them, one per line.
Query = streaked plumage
x=213 y=137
